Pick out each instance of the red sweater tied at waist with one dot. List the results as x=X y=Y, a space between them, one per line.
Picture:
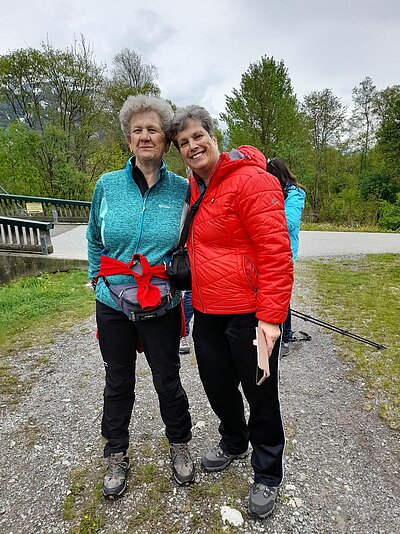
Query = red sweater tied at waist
x=148 y=295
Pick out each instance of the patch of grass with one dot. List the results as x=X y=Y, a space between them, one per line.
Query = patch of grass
x=28 y=434
x=42 y=360
x=329 y=227
x=145 y=474
x=33 y=310
x=363 y=297
x=8 y=382
x=290 y=435
x=82 y=504
x=230 y=488
x=90 y=522
x=76 y=488
x=206 y=492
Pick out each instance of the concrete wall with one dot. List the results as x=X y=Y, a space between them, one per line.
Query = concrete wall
x=16 y=265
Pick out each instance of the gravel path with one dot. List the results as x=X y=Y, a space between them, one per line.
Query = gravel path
x=342 y=462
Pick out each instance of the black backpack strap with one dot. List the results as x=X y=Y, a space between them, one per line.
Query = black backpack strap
x=188 y=220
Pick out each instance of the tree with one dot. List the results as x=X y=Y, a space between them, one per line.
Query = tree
x=325 y=117
x=18 y=148
x=22 y=83
x=263 y=111
x=379 y=186
x=56 y=94
x=363 y=118
x=130 y=76
x=388 y=134
x=129 y=69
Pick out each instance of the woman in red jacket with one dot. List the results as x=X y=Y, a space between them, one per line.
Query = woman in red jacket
x=242 y=277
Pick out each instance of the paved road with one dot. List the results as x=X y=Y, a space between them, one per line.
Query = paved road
x=317 y=244
x=70 y=242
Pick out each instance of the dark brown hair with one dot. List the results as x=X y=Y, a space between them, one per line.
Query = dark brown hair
x=278 y=168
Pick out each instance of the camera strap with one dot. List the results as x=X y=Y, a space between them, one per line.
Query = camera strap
x=188 y=220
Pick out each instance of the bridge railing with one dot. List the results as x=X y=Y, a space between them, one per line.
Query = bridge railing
x=23 y=235
x=44 y=209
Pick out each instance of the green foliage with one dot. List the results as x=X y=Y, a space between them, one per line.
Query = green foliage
x=389 y=132
x=59 y=130
x=389 y=215
x=348 y=209
x=378 y=186
x=263 y=111
x=19 y=171
x=363 y=118
x=174 y=161
x=324 y=115
x=56 y=96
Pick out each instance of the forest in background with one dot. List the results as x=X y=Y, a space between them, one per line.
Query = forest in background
x=59 y=130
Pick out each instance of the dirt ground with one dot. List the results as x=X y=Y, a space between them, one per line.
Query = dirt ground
x=341 y=469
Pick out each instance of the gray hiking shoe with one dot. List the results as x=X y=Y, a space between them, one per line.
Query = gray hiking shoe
x=114 y=484
x=217 y=459
x=184 y=347
x=262 y=500
x=182 y=463
x=285 y=349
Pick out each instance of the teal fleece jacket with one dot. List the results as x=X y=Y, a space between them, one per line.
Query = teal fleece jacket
x=122 y=222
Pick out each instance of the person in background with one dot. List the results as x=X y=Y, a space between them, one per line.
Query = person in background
x=242 y=276
x=184 y=347
x=139 y=210
x=294 y=195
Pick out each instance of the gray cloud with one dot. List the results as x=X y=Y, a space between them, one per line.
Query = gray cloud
x=202 y=48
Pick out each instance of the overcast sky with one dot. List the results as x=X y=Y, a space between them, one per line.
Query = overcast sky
x=201 y=48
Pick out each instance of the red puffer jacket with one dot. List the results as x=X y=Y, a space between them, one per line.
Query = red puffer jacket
x=239 y=245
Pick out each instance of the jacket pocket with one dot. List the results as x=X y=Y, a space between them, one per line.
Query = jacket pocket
x=250 y=272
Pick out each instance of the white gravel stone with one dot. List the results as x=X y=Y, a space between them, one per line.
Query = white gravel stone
x=231 y=516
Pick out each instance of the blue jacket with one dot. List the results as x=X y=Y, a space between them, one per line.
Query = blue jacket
x=294 y=205
x=122 y=222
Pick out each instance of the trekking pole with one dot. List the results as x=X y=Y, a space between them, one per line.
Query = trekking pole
x=336 y=329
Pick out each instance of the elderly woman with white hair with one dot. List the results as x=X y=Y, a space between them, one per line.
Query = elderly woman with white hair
x=136 y=212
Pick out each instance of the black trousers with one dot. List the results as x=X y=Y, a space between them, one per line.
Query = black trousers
x=226 y=357
x=160 y=340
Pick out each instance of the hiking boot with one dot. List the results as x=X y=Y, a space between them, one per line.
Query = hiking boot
x=184 y=347
x=262 y=500
x=182 y=463
x=114 y=485
x=217 y=459
x=285 y=349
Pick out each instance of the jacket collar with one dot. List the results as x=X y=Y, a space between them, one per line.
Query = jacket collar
x=132 y=161
x=235 y=159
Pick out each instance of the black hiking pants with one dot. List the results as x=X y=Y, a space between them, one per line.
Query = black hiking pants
x=226 y=357
x=159 y=337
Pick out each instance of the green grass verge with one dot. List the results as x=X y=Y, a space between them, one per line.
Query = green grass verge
x=328 y=227
x=363 y=297
x=33 y=310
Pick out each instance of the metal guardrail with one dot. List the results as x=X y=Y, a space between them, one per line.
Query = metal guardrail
x=24 y=235
x=44 y=209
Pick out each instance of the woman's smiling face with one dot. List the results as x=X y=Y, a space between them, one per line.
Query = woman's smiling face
x=198 y=148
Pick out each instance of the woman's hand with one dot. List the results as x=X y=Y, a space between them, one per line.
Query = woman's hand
x=271 y=333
